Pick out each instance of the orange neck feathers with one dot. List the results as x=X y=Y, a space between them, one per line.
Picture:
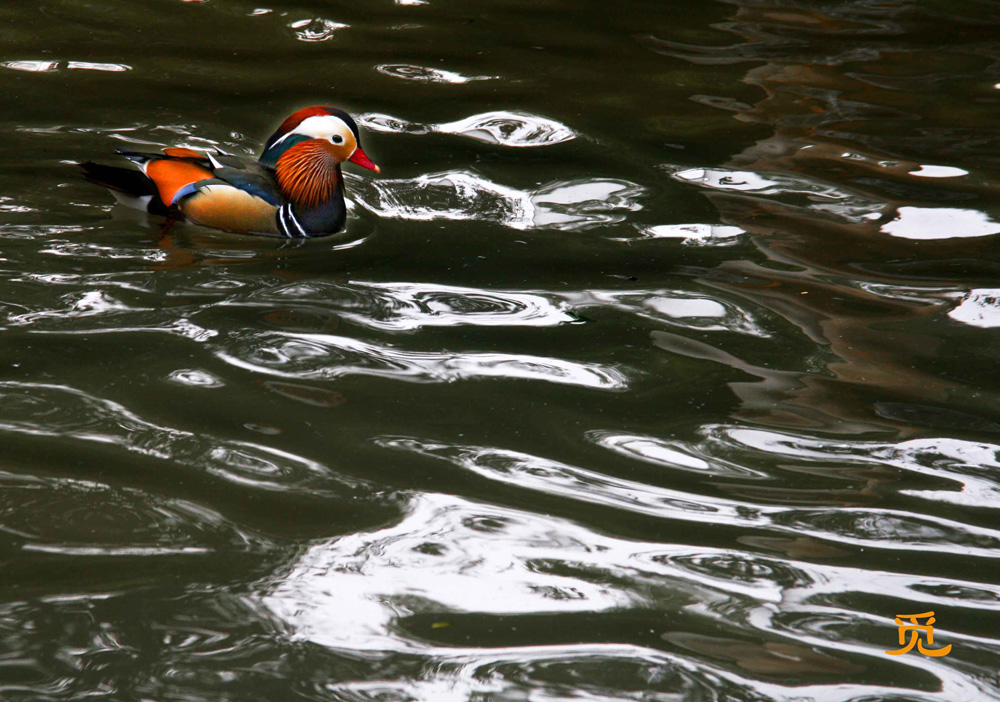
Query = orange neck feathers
x=307 y=173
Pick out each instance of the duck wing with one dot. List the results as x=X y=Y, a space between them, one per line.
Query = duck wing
x=221 y=191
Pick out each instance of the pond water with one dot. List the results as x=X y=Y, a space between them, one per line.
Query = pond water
x=658 y=364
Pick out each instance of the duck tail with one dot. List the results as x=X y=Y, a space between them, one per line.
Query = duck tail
x=129 y=186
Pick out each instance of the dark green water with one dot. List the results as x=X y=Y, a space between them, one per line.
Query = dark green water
x=659 y=363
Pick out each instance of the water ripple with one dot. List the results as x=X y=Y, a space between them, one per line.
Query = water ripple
x=47 y=66
x=873 y=527
x=446 y=555
x=407 y=306
x=670 y=454
x=518 y=129
x=316 y=29
x=378 y=122
x=424 y=74
x=196 y=378
x=325 y=356
x=464 y=195
x=531 y=472
x=415 y=305
x=678 y=309
x=404 y=587
x=793 y=188
x=502 y=127
x=744 y=264
x=38 y=409
x=75 y=517
x=588 y=672
x=694 y=234
x=953 y=470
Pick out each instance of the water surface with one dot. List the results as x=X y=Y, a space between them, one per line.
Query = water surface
x=659 y=363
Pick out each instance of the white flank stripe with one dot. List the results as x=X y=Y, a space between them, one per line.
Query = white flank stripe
x=281 y=222
x=291 y=216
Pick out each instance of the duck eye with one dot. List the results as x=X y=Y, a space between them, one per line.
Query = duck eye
x=337 y=139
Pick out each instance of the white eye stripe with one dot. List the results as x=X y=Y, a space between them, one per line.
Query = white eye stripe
x=320 y=127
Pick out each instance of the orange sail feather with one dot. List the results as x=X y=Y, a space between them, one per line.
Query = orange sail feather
x=169 y=176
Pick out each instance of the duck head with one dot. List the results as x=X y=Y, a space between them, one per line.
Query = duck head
x=306 y=152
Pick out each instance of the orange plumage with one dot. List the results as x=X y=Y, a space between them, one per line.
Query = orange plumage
x=307 y=172
x=225 y=207
x=183 y=152
x=171 y=175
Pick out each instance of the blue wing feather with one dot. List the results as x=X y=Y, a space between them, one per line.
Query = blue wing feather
x=250 y=182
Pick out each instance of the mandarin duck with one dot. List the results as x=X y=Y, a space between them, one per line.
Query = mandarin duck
x=295 y=188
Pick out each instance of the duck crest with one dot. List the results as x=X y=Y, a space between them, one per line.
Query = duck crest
x=297 y=118
x=307 y=173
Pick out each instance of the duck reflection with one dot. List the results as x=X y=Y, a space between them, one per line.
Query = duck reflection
x=862 y=223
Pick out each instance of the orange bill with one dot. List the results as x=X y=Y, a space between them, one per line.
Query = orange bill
x=360 y=158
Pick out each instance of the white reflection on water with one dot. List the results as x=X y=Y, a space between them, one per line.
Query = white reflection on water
x=44 y=66
x=383 y=591
x=453 y=195
x=771 y=184
x=83 y=249
x=927 y=171
x=872 y=527
x=447 y=555
x=655 y=451
x=465 y=195
x=325 y=356
x=820 y=196
x=378 y=122
x=317 y=29
x=196 y=378
x=979 y=308
x=85 y=304
x=31 y=66
x=503 y=127
x=425 y=74
x=940 y=223
x=544 y=673
x=675 y=308
x=732 y=180
x=688 y=307
x=694 y=234
x=670 y=454
x=91 y=66
x=411 y=306
x=555 y=478
x=319 y=306
x=8 y=204
x=970 y=467
x=104 y=314
x=508 y=128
